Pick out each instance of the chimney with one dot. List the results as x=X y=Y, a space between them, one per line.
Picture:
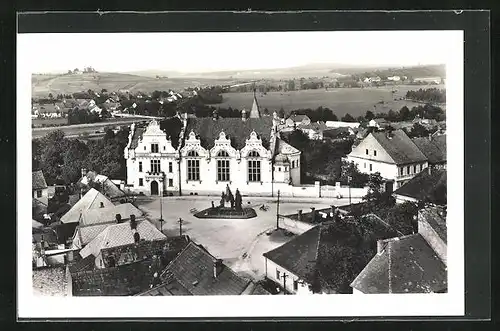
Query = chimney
x=101 y=205
x=84 y=172
x=137 y=237
x=430 y=136
x=429 y=169
x=389 y=134
x=313 y=214
x=243 y=115
x=133 y=223
x=217 y=267
x=118 y=218
x=299 y=214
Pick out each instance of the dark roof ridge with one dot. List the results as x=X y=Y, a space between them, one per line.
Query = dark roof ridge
x=174 y=259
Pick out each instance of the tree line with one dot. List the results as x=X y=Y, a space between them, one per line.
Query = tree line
x=431 y=95
x=62 y=158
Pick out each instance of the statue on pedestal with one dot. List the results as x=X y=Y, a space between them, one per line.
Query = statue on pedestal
x=238 y=201
x=222 y=200
x=229 y=196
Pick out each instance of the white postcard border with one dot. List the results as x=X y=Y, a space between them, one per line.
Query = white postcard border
x=449 y=304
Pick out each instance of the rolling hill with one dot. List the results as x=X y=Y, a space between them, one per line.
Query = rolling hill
x=42 y=85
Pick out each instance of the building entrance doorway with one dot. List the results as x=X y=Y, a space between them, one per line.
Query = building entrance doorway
x=154 y=187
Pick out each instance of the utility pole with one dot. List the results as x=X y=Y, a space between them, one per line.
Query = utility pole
x=278 y=212
x=180 y=226
x=161 y=214
x=284 y=282
x=349 y=184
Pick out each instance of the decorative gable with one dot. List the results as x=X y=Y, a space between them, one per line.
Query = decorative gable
x=254 y=143
x=194 y=144
x=224 y=143
x=154 y=135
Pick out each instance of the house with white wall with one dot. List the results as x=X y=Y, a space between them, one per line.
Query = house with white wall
x=152 y=161
x=391 y=153
x=306 y=264
x=297 y=120
x=39 y=186
x=244 y=153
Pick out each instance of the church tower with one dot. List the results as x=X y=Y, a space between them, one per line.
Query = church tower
x=255 y=112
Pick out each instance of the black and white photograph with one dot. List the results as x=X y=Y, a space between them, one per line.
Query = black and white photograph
x=211 y=168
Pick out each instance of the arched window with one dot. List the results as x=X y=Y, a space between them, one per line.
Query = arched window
x=192 y=153
x=223 y=170
x=222 y=153
x=253 y=154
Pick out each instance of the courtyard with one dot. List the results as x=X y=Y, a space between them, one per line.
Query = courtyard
x=239 y=242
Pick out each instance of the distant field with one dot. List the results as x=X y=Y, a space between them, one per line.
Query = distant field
x=42 y=85
x=355 y=101
x=84 y=129
x=49 y=121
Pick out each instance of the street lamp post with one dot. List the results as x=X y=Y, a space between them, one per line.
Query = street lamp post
x=278 y=212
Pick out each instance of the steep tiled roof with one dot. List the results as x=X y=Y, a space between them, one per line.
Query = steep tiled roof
x=82 y=264
x=38 y=180
x=106 y=185
x=38 y=208
x=436 y=218
x=120 y=234
x=259 y=290
x=434 y=149
x=86 y=234
x=322 y=254
x=129 y=279
x=166 y=248
x=170 y=287
x=426 y=187
x=36 y=225
x=138 y=132
x=92 y=199
x=282 y=147
x=108 y=214
x=235 y=129
x=406 y=265
x=335 y=132
x=316 y=126
x=193 y=268
x=400 y=147
x=298 y=117
x=48 y=235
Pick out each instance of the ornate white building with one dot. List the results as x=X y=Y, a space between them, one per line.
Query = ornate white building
x=245 y=153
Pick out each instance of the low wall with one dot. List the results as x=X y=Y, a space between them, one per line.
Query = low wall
x=268 y=190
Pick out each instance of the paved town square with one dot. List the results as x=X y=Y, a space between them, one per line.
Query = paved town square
x=239 y=242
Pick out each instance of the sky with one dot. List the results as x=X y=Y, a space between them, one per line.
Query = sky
x=205 y=52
